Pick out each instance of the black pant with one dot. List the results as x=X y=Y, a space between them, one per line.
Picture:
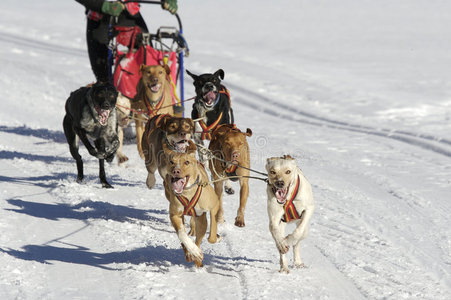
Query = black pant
x=97 y=40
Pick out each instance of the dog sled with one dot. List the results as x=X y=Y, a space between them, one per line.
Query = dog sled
x=130 y=48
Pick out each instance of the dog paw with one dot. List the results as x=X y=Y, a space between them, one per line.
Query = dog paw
x=214 y=238
x=121 y=159
x=110 y=158
x=192 y=232
x=196 y=254
x=300 y=265
x=106 y=185
x=229 y=190
x=100 y=155
x=283 y=247
x=284 y=270
x=239 y=221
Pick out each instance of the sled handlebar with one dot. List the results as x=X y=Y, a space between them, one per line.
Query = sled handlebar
x=156 y=2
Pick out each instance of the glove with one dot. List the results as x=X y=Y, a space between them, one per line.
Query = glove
x=170 y=5
x=112 y=8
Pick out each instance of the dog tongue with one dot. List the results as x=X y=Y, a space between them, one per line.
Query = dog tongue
x=155 y=88
x=103 y=116
x=210 y=97
x=181 y=146
x=280 y=195
x=178 y=185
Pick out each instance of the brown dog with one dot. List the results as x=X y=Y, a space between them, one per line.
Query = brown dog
x=189 y=193
x=153 y=96
x=230 y=144
x=164 y=130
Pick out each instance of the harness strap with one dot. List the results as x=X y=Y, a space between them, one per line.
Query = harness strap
x=227 y=93
x=190 y=204
x=157 y=107
x=290 y=212
x=206 y=130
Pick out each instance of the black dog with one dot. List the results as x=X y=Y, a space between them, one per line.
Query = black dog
x=212 y=104
x=91 y=114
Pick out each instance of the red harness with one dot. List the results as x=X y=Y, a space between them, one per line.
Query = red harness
x=189 y=204
x=154 y=111
x=207 y=130
x=290 y=212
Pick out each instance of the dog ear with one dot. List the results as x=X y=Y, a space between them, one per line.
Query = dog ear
x=248 y=132
x=141 y=68
x=191 y=149
x=287 y=156
x=191 y=123
x=219 y=73
x=195 y=77
x=167 y=69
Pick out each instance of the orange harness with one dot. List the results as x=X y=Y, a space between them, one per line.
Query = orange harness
x=189 y=204
x=290 y=212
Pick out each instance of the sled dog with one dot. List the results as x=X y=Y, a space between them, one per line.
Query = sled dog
x=290 y=199
x=91 y=115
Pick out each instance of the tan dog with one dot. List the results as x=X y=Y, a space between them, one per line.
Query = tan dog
x=290 y=199
x=123 y=107
x=164 y=130
x=153 y=96
x=230 y=144
x=187 y=189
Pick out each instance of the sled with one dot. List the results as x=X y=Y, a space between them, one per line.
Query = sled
x=130 y=48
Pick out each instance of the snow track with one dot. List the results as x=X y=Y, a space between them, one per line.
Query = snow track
x=381 y=226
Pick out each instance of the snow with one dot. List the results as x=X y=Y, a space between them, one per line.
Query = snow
x=358 y=91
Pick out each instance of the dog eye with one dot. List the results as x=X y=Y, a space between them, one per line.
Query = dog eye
x=186 y=162
x=272 y=173
x=288 y=172
x=172 y=162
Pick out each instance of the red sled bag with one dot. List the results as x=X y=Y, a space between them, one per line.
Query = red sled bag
x=149 y=56
x=127 y=71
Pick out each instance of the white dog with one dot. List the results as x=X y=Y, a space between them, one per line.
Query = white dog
x=290 y=199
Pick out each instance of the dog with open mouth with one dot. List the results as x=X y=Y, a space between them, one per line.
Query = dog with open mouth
x=167 y=130
x=230 y=145
x=212 y=106
x=290 y=199
x=189 y=193
x=153 y=96
x=91 y=115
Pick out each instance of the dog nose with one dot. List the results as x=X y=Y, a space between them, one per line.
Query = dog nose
x=279 y=184
x=183 y=134
x=176 y=172
x=105 y=105
x=235 y=155
x=209 y=86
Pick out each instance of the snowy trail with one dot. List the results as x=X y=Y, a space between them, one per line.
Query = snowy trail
x=381 y=228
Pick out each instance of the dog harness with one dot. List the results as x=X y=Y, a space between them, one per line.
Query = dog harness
x=206 y=130
x=190 y=204
x=154 y=111
x=290 y=212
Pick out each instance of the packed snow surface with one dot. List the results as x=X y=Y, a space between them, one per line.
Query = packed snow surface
x=359 y=92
